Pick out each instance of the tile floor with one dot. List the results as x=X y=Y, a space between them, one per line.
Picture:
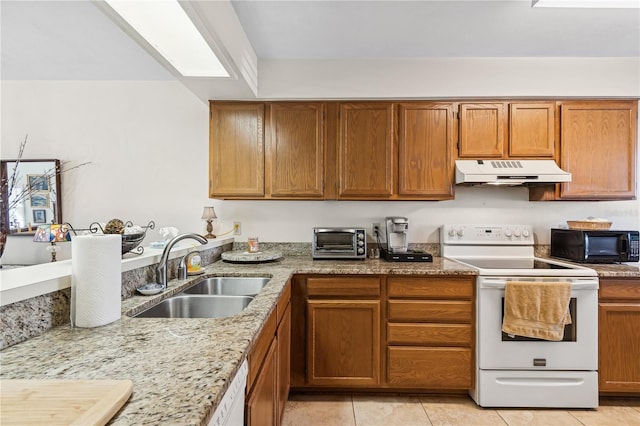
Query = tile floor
x=372 y=410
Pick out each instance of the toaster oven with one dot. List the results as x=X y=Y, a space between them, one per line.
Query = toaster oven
x=339 y=243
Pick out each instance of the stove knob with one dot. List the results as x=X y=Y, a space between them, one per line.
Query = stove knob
x=452 y=232
x=360 y=243
x=516 y=232
x=460 y=232
x=525 y=233
x=507 y=232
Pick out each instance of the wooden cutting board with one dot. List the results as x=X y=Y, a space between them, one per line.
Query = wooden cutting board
x=61 y=402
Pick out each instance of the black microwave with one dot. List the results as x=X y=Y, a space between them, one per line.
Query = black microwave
x=587 y=246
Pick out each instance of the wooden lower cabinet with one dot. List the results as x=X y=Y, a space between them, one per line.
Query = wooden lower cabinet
x=619 y=336
x=429 y=367
x=430 y=332
x=383 y=333
x=284 y=359
x=269 y=360
x=343 y=342
x=261 y=406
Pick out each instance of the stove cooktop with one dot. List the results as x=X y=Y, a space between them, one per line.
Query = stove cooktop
x=519 y=263
x=524 y=266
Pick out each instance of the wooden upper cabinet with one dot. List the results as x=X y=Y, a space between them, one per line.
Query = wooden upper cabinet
x=236 y=150
x=527 y=132
x=366 y=150
x=482 y=130
x=425 y=150
x=295 y=153
x=598 y=147
x=532 y=129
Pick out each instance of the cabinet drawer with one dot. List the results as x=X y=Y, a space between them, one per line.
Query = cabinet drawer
x=430 y=310
x=431 y=287
x=620 y=289
x=344 y=287
x=429 y=334
x=431 y=368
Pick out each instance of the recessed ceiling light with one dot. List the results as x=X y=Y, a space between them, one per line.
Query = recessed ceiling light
x=602 y=4
x=166 y=27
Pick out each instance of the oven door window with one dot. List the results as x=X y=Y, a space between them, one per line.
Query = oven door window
x=570 y=330
x=335 y=241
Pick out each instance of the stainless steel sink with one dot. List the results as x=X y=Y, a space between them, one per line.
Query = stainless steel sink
x=197 y=306
x=233 y=286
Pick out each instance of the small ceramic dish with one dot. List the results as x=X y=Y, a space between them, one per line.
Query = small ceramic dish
x=150 y=289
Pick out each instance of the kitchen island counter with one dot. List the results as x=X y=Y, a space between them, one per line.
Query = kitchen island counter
x=180 y=368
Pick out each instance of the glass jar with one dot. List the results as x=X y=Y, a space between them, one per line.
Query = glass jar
x=254 y=246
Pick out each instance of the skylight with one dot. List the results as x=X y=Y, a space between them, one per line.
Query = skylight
x=168 y=29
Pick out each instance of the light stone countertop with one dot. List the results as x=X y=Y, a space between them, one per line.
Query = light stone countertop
x=180 y=368
x=615 y=270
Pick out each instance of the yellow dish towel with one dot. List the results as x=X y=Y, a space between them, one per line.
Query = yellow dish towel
x=536 y=309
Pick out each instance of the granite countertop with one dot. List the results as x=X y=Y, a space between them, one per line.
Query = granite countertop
x=180 y=368
x=616 y=270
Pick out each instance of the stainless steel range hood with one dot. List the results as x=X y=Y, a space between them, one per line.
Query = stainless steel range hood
x=509 y=172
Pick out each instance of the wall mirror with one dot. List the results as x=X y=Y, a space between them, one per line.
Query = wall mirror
x=30 y=194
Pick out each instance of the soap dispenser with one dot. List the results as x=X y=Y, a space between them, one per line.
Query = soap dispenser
x=193 y=262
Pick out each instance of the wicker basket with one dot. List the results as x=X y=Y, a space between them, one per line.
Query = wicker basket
x=588 y=224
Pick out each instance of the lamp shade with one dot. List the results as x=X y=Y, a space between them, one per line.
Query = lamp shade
x=209 y=213
x=52 y=234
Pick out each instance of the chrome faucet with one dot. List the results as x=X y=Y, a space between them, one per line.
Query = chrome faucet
x=161 y=269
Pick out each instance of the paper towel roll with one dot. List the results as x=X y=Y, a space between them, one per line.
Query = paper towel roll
x=96 y=268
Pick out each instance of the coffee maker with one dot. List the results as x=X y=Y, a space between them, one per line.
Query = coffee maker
x=397 y=234
x=396 y=247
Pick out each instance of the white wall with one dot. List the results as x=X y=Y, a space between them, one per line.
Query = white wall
x=148 y=146
x=449 y=77
x=147 y=143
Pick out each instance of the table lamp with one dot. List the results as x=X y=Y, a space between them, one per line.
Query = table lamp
x=52 y=234
x=209 y=215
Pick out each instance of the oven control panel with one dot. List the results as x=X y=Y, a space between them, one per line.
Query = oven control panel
x=486 y=234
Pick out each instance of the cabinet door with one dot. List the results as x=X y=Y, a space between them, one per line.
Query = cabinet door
x=261 y=404
x=532 y=129
x=236 y=150
x=366 y=150
x=598 y=147
x=619 y=347
x=343 y=343
x=482 y=130
x=295 y=161
x=425 y=156
x=284 y=357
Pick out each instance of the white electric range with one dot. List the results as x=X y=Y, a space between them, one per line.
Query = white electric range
x=514 y=371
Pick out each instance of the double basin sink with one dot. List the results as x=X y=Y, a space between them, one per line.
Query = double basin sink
x=214 y=297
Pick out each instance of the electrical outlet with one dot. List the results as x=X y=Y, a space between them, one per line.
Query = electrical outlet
x=375 y=229
x=237 y=228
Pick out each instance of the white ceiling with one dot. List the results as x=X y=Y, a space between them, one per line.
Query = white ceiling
x=75 y=40
x=400 y=29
